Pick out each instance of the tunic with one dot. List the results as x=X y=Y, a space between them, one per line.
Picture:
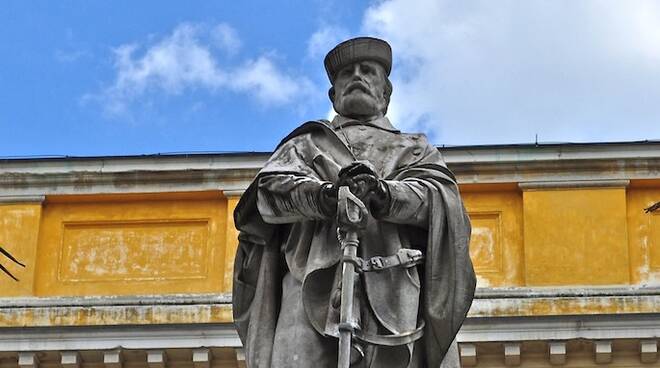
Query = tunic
x=287 y=270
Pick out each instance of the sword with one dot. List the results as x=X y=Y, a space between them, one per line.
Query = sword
x=351 y=218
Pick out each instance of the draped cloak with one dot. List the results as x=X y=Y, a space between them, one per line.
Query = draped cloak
x=439 y=291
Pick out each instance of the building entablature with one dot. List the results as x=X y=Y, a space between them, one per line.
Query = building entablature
x=233 y=171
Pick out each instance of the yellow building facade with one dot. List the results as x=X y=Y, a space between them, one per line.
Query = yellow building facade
x=129 y=259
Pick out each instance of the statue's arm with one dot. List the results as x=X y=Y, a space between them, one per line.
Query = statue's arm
x=288 y=198
x=407 y=203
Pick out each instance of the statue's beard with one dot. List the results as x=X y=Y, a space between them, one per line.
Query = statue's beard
x=359 y=104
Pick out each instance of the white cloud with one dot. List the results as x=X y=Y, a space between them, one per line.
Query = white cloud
x=324 y=39
x=331 y=113
x=226 y=37
x=172 y=64
x=271 y=86
x=186 y=60
x=500 y=72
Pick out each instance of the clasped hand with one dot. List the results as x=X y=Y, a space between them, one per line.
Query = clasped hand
x=361 y=179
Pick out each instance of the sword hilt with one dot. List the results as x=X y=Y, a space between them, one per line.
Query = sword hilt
x=351 y=212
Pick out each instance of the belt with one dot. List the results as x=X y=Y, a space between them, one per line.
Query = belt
x=392 y=340
x=405 y=258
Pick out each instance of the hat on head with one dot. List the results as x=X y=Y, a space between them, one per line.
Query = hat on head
x=358 y=49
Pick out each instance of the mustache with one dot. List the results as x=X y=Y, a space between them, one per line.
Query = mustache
x=362 y=86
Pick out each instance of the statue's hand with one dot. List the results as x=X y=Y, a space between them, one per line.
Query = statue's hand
x=360 y=177
x=361 y=185
x=357 y=167
x=363 y=182
x=379 y=200
x=328 y=199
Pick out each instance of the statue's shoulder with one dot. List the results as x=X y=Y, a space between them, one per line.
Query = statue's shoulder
x=418 y=142
x=417 y=138
x=421 y=150
x=306 y=130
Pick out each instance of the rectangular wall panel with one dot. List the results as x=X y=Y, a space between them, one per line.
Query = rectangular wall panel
x=654 y=244
x=576 y=237
x=19 y=232
x=486 y=242
x=644 y=238
x=132 y=246
x=496 y=242
x=133 y=251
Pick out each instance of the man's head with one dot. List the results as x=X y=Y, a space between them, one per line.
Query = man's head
x=358 y=70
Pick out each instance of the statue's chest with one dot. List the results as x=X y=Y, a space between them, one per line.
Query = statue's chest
x=382 y=148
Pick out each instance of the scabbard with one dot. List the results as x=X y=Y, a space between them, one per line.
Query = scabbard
x=346 y=319
x=351 y=218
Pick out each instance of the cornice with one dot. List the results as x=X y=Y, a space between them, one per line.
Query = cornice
x=234 y=172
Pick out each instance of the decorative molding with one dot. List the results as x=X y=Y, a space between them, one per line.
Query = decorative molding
x=115 y=301
x=233 y=193
x=488 y=303
x=112 y=358
x=557 y=350
x=603 y=351
x=156 y=358
x=563 y=292
x=551 y=152
x=70 y=359
x=234 y=171
x=28 y=359
x=531 y=307
x=468 y=353
x=110 y=338
x=512 y=354
x=136 y=164
x=116 y=311
x=148 y=181
x=511 y=302
x=201 y=358
x=240 y=357
x=649 y=351
x=514 y=336
x=9 y=199
x=560 y=328
x=572 y=353
x=572 y=184
x=555 y=170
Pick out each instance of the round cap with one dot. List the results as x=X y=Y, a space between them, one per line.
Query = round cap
x=358 y=49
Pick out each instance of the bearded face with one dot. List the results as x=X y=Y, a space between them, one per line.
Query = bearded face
x=361 y=90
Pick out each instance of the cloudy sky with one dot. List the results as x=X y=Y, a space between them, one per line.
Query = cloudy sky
x=124 y=77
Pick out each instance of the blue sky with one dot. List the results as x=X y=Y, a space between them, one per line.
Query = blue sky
x=126 y=77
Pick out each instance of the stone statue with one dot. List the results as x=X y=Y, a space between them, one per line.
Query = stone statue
x=415 y=280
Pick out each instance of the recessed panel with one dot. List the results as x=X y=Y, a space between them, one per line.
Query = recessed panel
x=114 y=245
x=141 y=250
x=654 y=244
x=496 y=240
x=19 y=233
x=486 y=242
x=576 y=237
x=644 y=234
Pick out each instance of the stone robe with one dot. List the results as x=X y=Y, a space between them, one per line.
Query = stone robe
x=286 y=269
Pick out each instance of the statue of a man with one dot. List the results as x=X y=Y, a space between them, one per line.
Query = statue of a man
x=288 y=265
